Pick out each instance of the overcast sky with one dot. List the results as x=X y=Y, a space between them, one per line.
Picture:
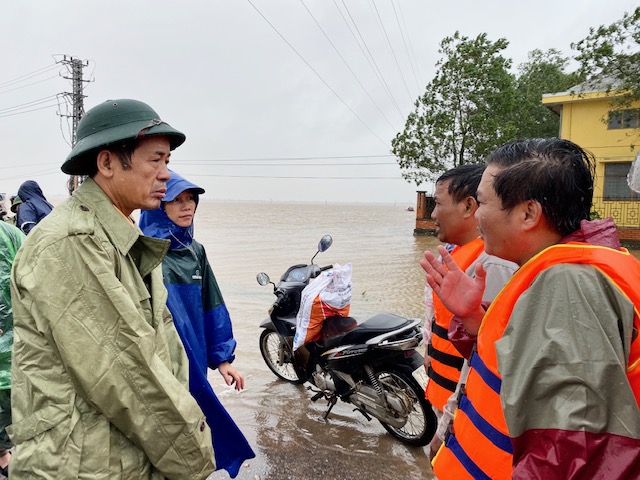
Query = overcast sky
x=314 y=88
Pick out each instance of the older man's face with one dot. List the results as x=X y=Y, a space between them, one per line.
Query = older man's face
x=143 y=184
x=497 y=226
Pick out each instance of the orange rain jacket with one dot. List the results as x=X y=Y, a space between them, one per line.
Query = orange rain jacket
x=445 y=361
x=479 y=445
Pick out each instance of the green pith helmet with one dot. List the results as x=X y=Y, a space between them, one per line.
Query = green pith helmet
x=111 y=122
x=15 y=201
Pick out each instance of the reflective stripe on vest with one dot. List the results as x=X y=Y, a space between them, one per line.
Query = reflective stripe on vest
x=479 y=446
x=445 y=361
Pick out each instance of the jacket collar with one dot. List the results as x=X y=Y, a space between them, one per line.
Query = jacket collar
x=124 y=235
x=156 y=223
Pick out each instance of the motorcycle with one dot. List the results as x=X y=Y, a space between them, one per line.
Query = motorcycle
x=373 y=365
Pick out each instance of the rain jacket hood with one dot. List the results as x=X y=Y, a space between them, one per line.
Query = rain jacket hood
x=34 y=206
x=156 y=223
x=30 y=190
x=602 y=233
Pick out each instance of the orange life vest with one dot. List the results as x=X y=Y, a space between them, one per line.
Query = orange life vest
x=445 y=361
x=479 y=446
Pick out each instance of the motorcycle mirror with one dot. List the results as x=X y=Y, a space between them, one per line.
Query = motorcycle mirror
x=325 y=243
x=263 y=279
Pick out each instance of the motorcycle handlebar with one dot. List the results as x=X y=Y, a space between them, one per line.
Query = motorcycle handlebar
x=315 y=271
x=280 y=296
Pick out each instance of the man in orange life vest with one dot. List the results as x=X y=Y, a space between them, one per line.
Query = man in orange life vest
x=554 y=383
x=454 y=215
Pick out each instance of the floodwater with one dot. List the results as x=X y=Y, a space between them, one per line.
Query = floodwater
x=286 y=430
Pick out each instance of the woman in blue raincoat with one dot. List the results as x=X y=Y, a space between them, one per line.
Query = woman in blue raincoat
x=200 y=315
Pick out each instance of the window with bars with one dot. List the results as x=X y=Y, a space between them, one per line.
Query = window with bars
x=624 y=119
x=615 y=182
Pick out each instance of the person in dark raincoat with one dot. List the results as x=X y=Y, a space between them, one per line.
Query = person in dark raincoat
x=34 y=206
x=199 y=314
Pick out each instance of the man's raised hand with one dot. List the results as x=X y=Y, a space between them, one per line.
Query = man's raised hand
x=460 y=293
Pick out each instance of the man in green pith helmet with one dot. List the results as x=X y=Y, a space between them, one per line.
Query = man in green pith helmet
x=100 y=377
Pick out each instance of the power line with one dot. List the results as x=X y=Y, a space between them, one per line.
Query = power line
x=29 y=75
x=41 y=173
x=346 y=64
x=39 y=101
x=374 y=65
x=387 y=155
x=324 y=164
x=393 y=53
x=317 y=74
x=198 y=161
x=294 y=177
x=30 y=165
x=28 y=111
x=410 y=44
x=406 y=49
x=27 y=85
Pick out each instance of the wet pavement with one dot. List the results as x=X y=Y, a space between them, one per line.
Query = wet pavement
x=293 y=441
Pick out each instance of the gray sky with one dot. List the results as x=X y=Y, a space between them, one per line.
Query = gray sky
x=318 y=85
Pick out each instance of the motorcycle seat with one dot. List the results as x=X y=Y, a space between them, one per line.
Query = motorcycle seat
x=344 y=330
x=336 y=327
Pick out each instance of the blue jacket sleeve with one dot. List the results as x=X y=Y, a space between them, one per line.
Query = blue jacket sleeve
x=26 y=218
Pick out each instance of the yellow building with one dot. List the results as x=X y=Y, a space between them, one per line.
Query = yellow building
x=613 y=136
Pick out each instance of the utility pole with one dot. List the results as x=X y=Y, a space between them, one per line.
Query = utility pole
x=76 y=97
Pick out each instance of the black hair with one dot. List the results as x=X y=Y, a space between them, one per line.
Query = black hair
x=464 y=181
x=556 y=173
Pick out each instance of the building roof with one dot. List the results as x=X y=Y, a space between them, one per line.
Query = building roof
x=590 y=90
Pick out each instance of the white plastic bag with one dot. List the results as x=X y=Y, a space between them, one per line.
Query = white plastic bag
x=328 y=295
x=633 y=179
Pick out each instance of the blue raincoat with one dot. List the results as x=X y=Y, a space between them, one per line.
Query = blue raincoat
x=202 y=321
x=34 y=206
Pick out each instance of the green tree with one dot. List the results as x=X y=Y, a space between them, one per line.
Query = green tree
x=544 y=72
x=610 y=57
x=464 y=113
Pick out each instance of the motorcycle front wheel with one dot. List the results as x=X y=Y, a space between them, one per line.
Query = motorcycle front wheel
x=421 y=422
x=277 y=356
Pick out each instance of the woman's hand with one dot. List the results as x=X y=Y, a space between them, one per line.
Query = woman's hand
x=231 y=375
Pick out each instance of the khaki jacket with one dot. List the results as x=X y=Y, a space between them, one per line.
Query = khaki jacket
x=99 y=375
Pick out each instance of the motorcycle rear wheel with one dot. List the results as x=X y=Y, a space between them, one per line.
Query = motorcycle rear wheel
x=422 y=422
x=277 y=356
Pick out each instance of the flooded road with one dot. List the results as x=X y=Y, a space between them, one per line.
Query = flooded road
x=286 y=430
